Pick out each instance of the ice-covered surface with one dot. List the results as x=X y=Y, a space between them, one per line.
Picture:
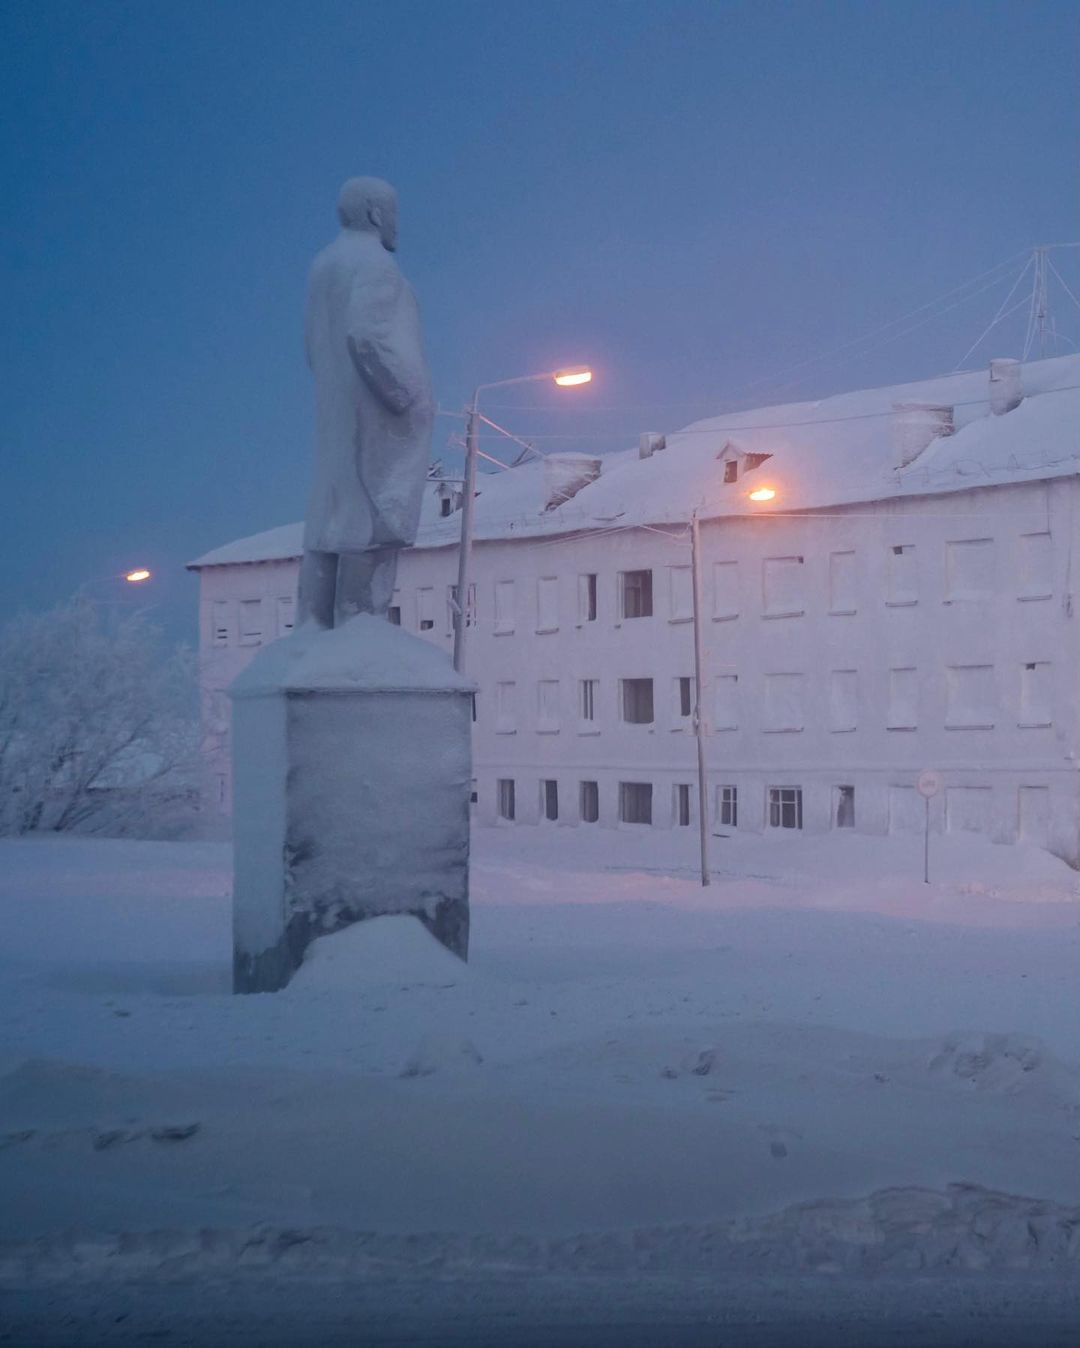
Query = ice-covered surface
x=364 y=653
x=787 y=1072
x=834 y=451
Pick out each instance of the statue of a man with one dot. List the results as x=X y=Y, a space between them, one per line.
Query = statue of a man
x=373 y=412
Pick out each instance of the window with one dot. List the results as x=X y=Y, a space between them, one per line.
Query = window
x=682 y=804
x=782 y=583
x=843 y=699
x=251 y=630
x=547 y=709
x=474 y=795
x=842 y=582
x=219 y=620
x=506 y=707
x=783 y=709
x=967 y=809
x=725 y=590
x=684 y=699
x=635 y=802
x=549 y=799
x=472 y=705
x=547 y=604
x=969 y=570
x=286 y=614
x=903 y=699
x=446 y=505
x=587 y=598
x=589 y=802
x=845 y=807
x=727 y=806
x=425 y=609
x=903 y=582
x=731 y=470
x=1035 y=694
x=637 y=701
x=682 y=593
x=393 y=615
x=506 y=802
x=1036 y=566
x=451 y=607
x=504 y=606
x=726 y=702
x=635 y=591
x=785 y=807
x=970 y=697
x=588 y=690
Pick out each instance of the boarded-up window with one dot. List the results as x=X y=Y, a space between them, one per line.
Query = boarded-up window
x=219 y=618
x=589 y=802
x=842 y=582
x=903 y=576
x=969 y=569
x=843 y=699
x=547 y=604
x=286 y=614
x=783 y=709
x=506 y=707
x=967 y=809
x=1036 y=696
x=782 y=581
x=547 y=719
x=903 y=699
x=682 y=593
x=726 y=702
x=1035 y=815
x=725 y=590
x=504 y=606
x=425 y=608
x=971 y=696
x=1036 y=566
x=635 y=802
x=907 y=810
x=637 y=701
x=251 y=622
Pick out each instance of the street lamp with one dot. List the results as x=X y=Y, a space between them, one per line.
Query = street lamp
x=762 y=494
x=578 y=374
x=137 y=576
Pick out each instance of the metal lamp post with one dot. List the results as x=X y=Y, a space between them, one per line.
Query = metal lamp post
x=564 y=378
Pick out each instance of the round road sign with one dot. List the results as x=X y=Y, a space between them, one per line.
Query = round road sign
x=929 y=783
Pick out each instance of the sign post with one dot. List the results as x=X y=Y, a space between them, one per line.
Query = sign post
x=928 y=786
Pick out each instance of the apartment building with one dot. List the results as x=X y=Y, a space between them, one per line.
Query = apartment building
x=886 y=588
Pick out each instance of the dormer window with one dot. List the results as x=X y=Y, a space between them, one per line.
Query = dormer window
x=737 y=462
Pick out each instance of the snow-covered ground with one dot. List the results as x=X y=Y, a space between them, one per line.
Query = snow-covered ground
x=817 y=1068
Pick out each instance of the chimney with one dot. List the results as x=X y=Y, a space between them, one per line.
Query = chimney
x=565 y=475
x=1006 y=389
x=649 y=443
x=916 y=425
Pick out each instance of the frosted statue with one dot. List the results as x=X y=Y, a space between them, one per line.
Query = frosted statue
x=373 y=412
x=352 y=736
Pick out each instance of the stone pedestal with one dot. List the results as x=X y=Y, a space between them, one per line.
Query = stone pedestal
x=352 y=775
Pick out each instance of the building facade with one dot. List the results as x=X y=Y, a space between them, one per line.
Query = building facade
x=849 y=644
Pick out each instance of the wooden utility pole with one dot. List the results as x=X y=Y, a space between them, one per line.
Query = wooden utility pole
x=699 y=724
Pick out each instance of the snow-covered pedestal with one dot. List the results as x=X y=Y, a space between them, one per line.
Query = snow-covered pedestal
x=352 y=775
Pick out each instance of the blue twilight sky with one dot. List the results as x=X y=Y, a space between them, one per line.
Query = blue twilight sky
x=689 y=195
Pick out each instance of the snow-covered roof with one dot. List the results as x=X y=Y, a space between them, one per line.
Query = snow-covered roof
x=834 y=451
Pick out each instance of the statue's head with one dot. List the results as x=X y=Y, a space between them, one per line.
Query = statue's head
x=370 y=205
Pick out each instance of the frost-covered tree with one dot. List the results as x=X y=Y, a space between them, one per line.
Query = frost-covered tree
x=97 y=723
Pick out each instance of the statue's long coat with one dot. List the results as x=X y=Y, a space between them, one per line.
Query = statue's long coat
x=373 y=403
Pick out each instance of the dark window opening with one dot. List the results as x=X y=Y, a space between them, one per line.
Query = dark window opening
x=685 y=702
x=550 y=791
x=393 y=615
x=590 y=802
x=588 y=598
x=845 y=807
x=506 y=798
x=635 y=802
x=731 y=470
x=637 y=700
x=682 y=804
x=637 y=594
x=785 y=807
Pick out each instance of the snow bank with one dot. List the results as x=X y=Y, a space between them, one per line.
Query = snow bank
x=395 y=950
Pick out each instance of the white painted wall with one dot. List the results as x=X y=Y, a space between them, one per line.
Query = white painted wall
x=809 y=652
